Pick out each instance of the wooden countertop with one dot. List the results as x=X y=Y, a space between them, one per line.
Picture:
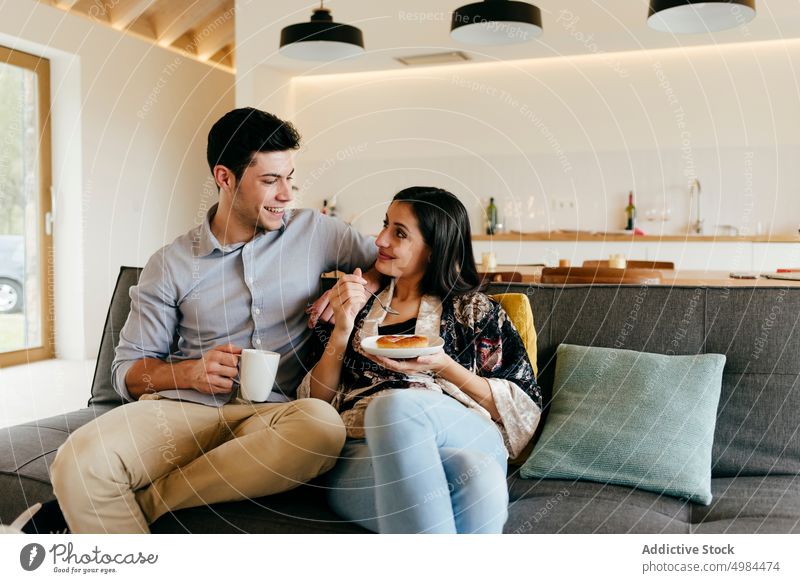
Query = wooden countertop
x=593 y=236
x=683 y=277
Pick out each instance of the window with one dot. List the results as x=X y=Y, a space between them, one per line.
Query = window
x=26 y=260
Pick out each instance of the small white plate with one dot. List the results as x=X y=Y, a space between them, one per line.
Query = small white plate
x=369 y=345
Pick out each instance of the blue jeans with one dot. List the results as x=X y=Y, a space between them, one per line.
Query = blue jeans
x=428 y=465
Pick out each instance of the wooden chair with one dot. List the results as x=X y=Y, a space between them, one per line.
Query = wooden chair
x=570 y=275
x=500 y=277
x=634 y=263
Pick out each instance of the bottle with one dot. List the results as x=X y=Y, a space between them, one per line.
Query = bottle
x=332 y=208
x=491 y=217
x=630 y=212
x=324 y=209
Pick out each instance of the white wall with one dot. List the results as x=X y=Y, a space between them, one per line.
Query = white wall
x=133 y=118
x=581 y=130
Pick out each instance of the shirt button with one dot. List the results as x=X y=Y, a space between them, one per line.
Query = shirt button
x=257 y=311
x=258 y=341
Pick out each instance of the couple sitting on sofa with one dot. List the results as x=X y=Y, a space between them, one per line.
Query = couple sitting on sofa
x=427 y=438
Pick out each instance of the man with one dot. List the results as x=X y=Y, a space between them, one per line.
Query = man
x=242 y=279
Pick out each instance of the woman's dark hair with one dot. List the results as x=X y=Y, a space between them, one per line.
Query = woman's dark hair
x=240 y=133
x=444 y=224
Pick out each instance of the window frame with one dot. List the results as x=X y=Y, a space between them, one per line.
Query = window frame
x=41 y=68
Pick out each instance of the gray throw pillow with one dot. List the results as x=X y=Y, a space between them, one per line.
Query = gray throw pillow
x=632 y=418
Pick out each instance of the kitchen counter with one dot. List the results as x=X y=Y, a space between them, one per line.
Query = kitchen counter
x=760 y=253
x=717 y=278
x=598 y=236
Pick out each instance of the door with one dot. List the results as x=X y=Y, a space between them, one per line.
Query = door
x=26 y=261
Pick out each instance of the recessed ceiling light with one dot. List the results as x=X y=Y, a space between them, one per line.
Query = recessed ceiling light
x=434 y=59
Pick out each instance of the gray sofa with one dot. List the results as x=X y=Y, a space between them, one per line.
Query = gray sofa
x=756 y=455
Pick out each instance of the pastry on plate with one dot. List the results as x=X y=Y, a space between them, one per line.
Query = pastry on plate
x=402 y=341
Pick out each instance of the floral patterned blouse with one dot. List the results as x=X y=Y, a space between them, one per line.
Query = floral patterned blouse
x=477 y=333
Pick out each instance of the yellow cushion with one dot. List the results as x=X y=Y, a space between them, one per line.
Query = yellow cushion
x=519 y=310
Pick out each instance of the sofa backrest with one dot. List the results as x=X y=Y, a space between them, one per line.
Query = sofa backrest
x=102 y=391
x=758 y=427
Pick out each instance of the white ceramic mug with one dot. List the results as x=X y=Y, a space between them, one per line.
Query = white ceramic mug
x=257 y=372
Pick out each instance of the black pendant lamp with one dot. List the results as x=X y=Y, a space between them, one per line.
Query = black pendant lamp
x=496 y=22
x=694 y=16
x=321 y=39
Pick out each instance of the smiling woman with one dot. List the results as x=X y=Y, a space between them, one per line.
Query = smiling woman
x=430 y=432
x=25 y=243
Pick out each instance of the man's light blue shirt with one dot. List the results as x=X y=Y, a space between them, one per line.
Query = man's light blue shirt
x=195 y=294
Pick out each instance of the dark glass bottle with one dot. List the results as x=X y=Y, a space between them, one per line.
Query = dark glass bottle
x=630 y=213
x=491 y=218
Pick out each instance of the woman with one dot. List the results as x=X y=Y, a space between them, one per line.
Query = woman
x=428 y=438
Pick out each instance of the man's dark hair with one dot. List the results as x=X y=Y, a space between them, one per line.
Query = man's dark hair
x=444 y=224
x=240 y=133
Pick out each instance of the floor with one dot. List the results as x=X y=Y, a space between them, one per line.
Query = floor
x=43 y=389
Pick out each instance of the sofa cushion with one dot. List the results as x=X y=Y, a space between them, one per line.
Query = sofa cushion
x=751 y=505
x=632 y=418
x=26 y=452
x=302 y=510
x=519 y=311
x=577 y=507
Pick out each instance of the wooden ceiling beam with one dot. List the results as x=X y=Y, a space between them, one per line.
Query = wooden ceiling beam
x=123 y=12
x=179 y=16
x=217 y=31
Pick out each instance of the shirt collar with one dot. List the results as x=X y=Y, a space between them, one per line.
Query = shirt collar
x=207 y=242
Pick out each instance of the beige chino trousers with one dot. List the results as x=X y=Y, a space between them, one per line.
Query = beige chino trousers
x=120 y=472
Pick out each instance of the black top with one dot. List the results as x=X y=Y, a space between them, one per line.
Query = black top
x=406 y=327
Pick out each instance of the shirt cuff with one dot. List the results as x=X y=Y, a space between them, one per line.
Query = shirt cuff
x=118 y=380
x=519 y=415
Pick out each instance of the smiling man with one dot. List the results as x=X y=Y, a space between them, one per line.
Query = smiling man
x=241 y=279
